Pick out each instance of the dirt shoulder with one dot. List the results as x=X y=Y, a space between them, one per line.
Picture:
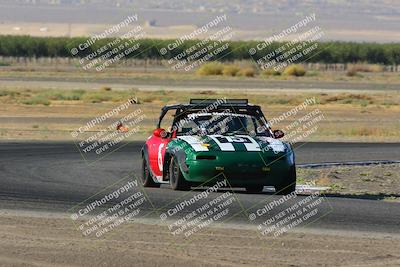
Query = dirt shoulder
x=380 y=182
x=53 y=241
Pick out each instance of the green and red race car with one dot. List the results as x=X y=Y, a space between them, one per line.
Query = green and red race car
x=218 y=139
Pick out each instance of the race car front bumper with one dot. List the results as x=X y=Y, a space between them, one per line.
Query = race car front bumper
x=239 y=168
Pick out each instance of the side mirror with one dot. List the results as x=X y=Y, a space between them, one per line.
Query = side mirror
x=278 y=134
x=160 y=132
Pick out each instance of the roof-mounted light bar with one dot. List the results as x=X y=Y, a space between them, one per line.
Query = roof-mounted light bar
x=225 y=101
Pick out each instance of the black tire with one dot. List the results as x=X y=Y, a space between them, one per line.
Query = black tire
x=254 y=189
x=176 y=179
x=147 y=181
x=289 y=185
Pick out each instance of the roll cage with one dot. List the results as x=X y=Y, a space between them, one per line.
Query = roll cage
x=236 y=106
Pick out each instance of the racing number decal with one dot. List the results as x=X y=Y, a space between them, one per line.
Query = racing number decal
x=156 y=150
x=160 y=157
x=228 y=139
x=225 y=142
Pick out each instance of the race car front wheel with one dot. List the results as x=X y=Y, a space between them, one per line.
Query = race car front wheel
x=147 y=181
x=289 y=185
x=176 y=178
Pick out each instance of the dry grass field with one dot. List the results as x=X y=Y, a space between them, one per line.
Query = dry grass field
x=47 y=101
x=51 y=114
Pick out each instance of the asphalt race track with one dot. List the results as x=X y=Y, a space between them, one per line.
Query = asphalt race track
x=53 y=177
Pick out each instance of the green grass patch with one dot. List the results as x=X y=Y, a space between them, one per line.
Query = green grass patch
x=346 y=98
x=36 y=100
x=4 y=64
x=65 y=95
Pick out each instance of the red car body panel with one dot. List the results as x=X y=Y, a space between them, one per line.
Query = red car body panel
x=156 y=146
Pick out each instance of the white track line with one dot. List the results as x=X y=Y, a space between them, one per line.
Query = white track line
x=349 y=163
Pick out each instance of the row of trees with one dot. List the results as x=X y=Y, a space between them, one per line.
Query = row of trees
x=327 y=52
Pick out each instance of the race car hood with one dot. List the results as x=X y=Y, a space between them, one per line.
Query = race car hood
x=233 y=143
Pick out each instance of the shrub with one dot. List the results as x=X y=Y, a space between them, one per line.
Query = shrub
x=270 y=72
x=230 y=70
x=365 y=67
x=351 y=72
x=295 y=70
x=376 y=68
x=247 y=72
x=211 y=68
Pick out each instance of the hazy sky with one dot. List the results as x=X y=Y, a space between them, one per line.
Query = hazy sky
x=358 y=20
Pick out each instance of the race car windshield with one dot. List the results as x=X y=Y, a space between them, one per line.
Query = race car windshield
x=222 y=123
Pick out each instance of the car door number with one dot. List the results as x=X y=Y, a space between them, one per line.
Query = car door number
x=159 y=160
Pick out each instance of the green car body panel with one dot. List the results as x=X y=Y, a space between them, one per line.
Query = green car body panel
x=263 y=166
